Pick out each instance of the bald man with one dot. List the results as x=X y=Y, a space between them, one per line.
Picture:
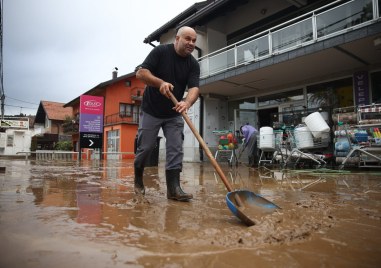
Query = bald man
x=169 y=67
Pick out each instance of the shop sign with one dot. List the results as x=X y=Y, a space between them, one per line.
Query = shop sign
x=91 y=121
x=91 y=140
x=7 y=123
x=361 y=88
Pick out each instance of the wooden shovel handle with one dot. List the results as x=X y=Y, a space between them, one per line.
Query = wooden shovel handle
x=204 y=146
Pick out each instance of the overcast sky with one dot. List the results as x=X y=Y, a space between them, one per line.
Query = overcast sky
x=56 y=50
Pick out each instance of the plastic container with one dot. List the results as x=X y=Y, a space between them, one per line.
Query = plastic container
x=361 y=136
x=316 y=124
x=266 y=138
x=342 y=146
x=303 y=138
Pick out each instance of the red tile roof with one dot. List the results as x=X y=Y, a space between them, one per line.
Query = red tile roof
x=55 y=110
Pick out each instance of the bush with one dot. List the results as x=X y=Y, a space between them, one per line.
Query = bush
x=63 y=146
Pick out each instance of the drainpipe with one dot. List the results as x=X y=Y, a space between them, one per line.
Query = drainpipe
x=201 y=151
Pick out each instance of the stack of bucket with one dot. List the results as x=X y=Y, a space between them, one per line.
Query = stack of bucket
x=266 y=138
x=316 y=127
x=303 y=137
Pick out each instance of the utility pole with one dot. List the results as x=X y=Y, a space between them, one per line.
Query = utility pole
x=2 y=92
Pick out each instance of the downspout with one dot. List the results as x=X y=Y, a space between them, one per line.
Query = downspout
x=201 y=126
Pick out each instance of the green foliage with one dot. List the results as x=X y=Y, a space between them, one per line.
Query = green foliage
x=63 y=146
x=70 y=125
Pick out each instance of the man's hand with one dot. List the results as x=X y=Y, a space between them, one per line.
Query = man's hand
x=181 y=107
x=165 y=88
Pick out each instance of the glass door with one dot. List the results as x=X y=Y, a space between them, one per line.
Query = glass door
x=113 y=144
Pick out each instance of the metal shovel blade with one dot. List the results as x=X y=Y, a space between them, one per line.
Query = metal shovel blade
x=254 y=206
x=235 y=199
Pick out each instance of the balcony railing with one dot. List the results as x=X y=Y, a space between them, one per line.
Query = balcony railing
x=122 y=118
x=327 y=21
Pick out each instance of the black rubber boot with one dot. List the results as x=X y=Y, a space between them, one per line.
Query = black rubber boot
x=138 y=181
x=174 y=190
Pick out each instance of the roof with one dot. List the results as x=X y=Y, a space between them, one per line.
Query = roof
x=210 y=11
x=155 y=36
x=95 y=91
x=53 y=111
x=200 y=13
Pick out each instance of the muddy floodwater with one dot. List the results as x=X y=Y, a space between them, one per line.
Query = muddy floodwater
x=85 y=214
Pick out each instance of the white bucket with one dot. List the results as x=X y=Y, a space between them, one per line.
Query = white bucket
x=266 y=138
x=325 y=116
x=303 y=138
x=316 y=124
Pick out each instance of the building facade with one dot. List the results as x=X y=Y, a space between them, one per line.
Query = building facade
x=272 y=63
x=122 y=100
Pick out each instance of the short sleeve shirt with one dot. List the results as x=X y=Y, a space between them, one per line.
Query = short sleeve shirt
x=182 y=72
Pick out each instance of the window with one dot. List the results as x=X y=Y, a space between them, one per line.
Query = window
x=276 y=99
x=113 y=140
x=125 y=110
x=10 y=141
x=333 y=94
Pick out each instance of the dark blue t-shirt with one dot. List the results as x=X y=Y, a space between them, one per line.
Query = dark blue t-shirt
x=164 y=63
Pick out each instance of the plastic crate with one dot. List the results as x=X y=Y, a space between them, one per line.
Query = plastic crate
x=223 y=141
x=361 y=137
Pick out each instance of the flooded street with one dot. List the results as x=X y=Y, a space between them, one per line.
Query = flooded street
x=71 y=214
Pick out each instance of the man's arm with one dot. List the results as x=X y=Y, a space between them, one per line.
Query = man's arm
x=192 y=96
x=149 y=79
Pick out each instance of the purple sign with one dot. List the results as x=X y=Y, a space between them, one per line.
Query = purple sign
x=91 y=123
x=361 y=87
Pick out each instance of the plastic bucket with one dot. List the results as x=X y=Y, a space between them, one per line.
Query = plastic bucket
x=303 y=138
x=266 y=138
x=316 y=124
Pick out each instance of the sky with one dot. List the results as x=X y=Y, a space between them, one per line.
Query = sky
x=58 y=50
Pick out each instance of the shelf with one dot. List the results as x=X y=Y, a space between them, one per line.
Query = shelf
x=369 y=125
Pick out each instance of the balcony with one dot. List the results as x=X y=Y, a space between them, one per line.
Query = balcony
x=328 y=21
x=121 y=118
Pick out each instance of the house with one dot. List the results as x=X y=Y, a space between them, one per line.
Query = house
x=15 y=135
x=122 y=100
x=273 y=62
x=49 y=125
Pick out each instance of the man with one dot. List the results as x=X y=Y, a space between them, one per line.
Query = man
x=167 y=68
x=250 y=135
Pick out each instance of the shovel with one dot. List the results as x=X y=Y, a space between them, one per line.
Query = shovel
x=243 y=204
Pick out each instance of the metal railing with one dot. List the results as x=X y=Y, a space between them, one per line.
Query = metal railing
x=118 y=118
x=50 y=155
x=72 y=156
x=327 y=21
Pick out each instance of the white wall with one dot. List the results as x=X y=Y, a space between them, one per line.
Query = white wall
x=21 y=141
x=215 y=118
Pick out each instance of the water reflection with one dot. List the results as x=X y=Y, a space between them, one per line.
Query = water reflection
x=94 y=201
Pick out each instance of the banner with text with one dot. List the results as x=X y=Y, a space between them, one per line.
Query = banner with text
x=91 y=121
x=361 y=88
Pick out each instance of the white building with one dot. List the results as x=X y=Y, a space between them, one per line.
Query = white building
x=16 y=136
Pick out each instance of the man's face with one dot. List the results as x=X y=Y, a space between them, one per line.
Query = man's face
x=186 y=43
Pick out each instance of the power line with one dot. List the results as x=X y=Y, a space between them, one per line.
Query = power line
x=20 y=107
x=21 y=100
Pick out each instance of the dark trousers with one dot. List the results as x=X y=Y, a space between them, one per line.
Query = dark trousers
x=149 y=127
x=252 y=148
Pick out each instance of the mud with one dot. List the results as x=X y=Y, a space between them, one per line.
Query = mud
x=70 y=214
